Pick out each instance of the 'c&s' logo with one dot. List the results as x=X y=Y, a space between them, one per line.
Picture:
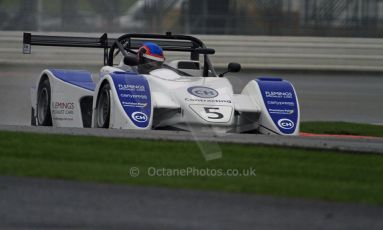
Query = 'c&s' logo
x=139 y=117
x=203 y=92
x=285 y=123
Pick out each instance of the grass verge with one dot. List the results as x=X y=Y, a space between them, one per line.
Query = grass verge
x=279 y=171
x=343 y=128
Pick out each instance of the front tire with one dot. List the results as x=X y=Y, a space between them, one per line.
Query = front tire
x=103 y=107
x=43 y=109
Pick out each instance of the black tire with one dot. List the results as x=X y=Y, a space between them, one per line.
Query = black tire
x=33 y=118
x=103 y=107
x=43 y=109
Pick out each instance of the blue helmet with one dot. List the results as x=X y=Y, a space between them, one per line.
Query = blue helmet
x=150 y=57
x=151 y=51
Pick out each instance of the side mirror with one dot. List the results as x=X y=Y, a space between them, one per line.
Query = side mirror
x=233 y=67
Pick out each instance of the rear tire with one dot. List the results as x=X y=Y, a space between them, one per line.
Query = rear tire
x=43 y=109
x=103 y=107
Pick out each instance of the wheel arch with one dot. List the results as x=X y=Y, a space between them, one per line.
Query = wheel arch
x=43 y=78
x=101 y=84
x=105 y=80
x=45 y=75
x=120 y=118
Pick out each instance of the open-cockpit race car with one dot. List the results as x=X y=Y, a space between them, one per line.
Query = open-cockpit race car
x=180 y=94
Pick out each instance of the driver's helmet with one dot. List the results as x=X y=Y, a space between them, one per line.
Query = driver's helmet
x=150 y=57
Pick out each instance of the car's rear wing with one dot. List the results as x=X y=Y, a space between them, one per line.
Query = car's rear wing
x=168 y=42
x=66 y=41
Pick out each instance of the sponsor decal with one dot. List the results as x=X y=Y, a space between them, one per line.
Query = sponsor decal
x=289 y=103
x=62 y=105
x=281 y=111
x=208 y=100
x=126 y=87
x=139 y=117
x=134 y=95
x=285 y=123
x=281 y=104
x=278 y=94
x=134 y=104
x=62 y=108
x=62 y=112
x=203 y=92
x=62 y=118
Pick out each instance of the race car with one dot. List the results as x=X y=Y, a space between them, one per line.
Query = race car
x=181 y=94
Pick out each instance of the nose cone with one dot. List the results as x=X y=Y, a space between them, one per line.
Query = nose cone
x=203 y=92
x=207 y=104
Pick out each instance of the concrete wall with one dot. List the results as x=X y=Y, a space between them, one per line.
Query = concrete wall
x=253 y=52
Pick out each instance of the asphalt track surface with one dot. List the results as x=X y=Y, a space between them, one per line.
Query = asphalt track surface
x=27 y=203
